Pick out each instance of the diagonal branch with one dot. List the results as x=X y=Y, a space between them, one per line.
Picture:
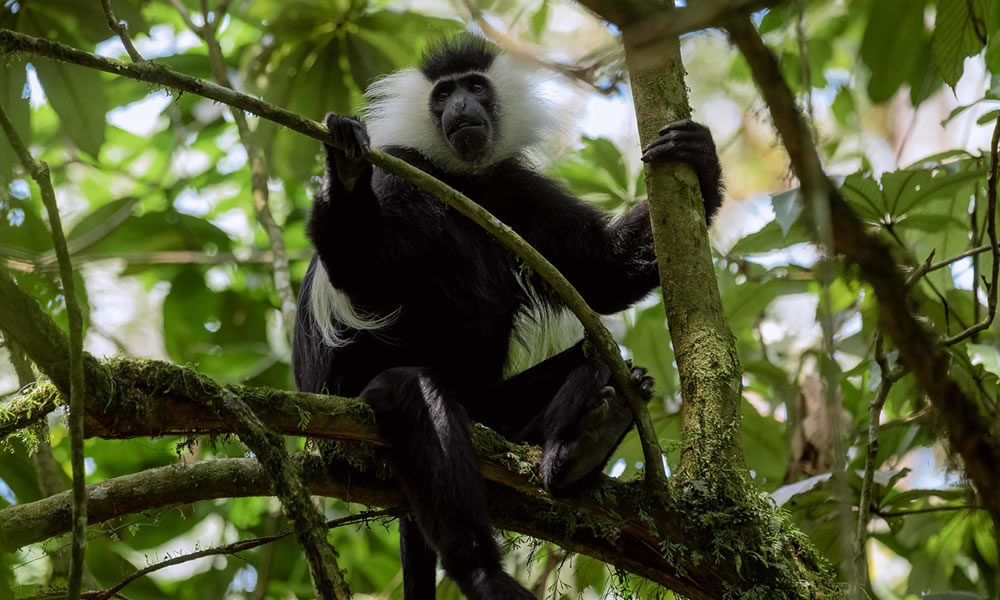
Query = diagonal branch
x=40 y=173
x=967 y=426
x=150 y=72
x=119 y=28
x=286 y=476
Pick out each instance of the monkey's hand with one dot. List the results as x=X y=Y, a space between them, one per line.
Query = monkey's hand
x=345 y=161
x=691 y=143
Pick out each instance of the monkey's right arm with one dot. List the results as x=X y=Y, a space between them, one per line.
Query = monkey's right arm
x=345 y=221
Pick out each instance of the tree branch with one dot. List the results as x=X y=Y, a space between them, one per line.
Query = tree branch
x=119 y=28
x=651 y=21
x=11 y=42
x=918 y=349
x=614 y=529
x=707 y=362
x=40 y=173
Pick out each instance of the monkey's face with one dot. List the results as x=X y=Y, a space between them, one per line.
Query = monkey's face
x=463 y=107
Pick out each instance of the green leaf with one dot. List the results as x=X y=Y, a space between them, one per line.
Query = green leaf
x=960 y=31
x=323 y=88
x=77 y=95
x=648 y=341
x=764 y=446
x=200 y=323
x=987 y=355
x=23 y=232
x=603 y=153
x=367 y=60
x=775 y=18
x=844 y=108
x=157 y=231
x=88 y=19
x=770 y=238
x=744 y=303
x=598 y=172
x=100 y=223
x=862 y=192
x=540 y=19
x=894 y=29
x=988 y=117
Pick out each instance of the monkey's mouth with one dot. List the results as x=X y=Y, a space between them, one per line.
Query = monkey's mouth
x=469 y=138
x=465 y=124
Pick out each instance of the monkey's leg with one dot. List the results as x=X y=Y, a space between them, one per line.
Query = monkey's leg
x=578 y=419
x=439 y=476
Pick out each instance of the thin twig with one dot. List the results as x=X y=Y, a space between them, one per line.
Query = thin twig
x=120 y=28
x=40 y=173
x=185 y=15
x=974 y=226
x=948 y=261
x=924 y=268
x=862 y=582
x=991 y=231
x=234 y=548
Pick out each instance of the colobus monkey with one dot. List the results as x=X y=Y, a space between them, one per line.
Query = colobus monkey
x=414 y=307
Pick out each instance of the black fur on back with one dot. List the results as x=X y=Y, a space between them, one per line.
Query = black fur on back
x=458 y=54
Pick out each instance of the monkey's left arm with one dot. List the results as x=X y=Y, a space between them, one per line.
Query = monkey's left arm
x=613 y=265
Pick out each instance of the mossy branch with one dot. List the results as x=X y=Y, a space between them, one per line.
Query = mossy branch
x=614 y=524
x=12 y=42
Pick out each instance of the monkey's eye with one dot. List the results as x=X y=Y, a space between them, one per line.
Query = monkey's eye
x=442 y=95
x=475 y=88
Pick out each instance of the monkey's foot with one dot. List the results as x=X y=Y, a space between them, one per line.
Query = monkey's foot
x=643 y=382
x=566 y=463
